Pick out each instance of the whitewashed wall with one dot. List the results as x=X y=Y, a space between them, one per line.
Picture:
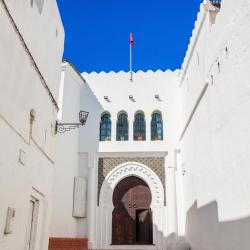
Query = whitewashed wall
x=44 y=35
x=23 y=89
x=78 y=151
x=215 y=145
x=68 y=164
x=118 y=87
x=145 y=86
x=208 y=194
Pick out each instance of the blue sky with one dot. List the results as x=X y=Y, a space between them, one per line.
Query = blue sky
x=97 y=33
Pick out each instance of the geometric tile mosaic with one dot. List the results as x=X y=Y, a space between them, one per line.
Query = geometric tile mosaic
x=105 y=165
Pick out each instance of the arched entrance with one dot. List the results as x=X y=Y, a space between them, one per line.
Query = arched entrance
x=104 y=212
x=132 y=215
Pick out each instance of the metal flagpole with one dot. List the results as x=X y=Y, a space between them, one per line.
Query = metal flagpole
x=131 y=72
x=131 y=44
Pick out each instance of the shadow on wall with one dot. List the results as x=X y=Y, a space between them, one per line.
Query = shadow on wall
x=121 y=225
x=89 y=143
x=205 y=231
x=90 y=133
x=175 y=242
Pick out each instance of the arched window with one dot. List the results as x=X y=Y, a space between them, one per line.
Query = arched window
x=122 y=127
x=139 y=127
x=105 y=127
x=156 y=127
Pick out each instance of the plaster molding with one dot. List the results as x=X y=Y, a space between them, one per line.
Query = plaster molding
x=132 y=169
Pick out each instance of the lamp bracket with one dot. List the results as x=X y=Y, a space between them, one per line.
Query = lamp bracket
x=65 y=127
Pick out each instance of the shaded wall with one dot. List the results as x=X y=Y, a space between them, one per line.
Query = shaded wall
x=27 y=154
x=215 y=139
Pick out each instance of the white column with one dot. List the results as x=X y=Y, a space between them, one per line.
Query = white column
x=172 y=227
x=180 y=196
x=165 y=223
x=148 y=127
x=108 y=232
x=171 y=201
x=113 y=126
x=131 y=127
x=92 y=200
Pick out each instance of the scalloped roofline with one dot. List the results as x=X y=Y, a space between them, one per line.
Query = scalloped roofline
x=198 y=25
x=149 y=71
x=193 y=40
x=187 y=58
x=127 y=72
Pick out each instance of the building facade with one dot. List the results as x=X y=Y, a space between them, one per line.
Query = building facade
x=214 y=85
x=127 y=136
x=162 y=162
x=31 y=36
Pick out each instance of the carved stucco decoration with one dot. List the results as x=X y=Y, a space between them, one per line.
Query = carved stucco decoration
x=107 y=165
x=132 y=169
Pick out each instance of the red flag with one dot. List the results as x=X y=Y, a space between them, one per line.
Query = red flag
x=131 y=39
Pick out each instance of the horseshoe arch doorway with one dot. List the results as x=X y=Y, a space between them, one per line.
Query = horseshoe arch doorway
x=132 y=216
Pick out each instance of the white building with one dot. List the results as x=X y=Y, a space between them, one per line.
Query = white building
x=103 y=160
x=214 y=85
x=124 y=183
x=31 y=35
x=161 y=163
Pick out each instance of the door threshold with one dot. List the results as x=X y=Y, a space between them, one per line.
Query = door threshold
x=134 y=247
x=137 y=244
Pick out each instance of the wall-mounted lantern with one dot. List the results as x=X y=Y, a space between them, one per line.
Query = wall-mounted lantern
x=65 y=127
x=216 y=3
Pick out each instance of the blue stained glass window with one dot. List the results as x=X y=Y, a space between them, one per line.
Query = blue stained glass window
x=122 y=127
x=139 y=127
x=156 y=127
x=105 y=128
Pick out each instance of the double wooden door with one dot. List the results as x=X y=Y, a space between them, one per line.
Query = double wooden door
x=132 y=216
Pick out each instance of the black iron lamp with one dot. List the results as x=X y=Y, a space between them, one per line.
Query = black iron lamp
x=216 y=3
x=65 y=127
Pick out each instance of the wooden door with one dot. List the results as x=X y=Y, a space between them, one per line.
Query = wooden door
x=130 y=196
x=144 y=226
